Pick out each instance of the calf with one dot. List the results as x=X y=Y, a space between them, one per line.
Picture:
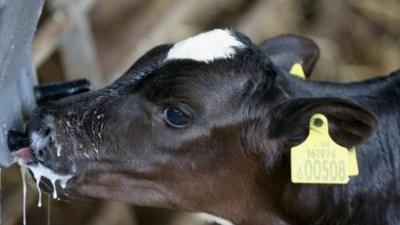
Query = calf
x=206 y=125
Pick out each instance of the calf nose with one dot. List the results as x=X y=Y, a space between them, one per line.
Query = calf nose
x=41 y=131
x=40 y=147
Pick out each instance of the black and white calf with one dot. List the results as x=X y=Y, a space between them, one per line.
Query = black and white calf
x=206 y=125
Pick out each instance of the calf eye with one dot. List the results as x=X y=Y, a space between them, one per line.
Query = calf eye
x=175 y=117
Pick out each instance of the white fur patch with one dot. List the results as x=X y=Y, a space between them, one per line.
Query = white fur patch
x=208 y=218
x=207 y=46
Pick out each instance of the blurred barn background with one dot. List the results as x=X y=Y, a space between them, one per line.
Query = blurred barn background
x=100 y=39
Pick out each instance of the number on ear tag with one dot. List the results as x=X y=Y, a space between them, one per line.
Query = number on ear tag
x=319 y=160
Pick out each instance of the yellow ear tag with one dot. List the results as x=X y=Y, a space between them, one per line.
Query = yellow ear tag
x=353 y=165
x=297 y=70
x=319 y=160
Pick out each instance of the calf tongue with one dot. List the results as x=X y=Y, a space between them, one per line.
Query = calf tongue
x=24 y=155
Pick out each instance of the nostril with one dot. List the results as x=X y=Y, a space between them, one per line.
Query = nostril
x=47 y=131
x=41 y=152
x=41 y=114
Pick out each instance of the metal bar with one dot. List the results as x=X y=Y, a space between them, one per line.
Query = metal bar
x=49 y=36
x=55 y=28
x=78 y=53
x=48 y=210
x=69 y=30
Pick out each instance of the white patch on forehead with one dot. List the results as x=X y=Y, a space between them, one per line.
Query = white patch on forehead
x=208 y=218
x=208 y=46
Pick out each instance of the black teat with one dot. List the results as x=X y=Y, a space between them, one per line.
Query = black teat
x=17 y=140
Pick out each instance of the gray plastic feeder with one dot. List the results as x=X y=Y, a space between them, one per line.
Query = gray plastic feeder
x=18 y=22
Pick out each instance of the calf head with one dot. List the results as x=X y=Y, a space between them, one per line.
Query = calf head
x=200 y=125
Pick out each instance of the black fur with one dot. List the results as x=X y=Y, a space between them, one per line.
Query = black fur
x=233 y=160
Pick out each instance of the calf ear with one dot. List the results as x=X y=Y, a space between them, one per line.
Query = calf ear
x=349 y=123
x=150 y=61
x=286 y=50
